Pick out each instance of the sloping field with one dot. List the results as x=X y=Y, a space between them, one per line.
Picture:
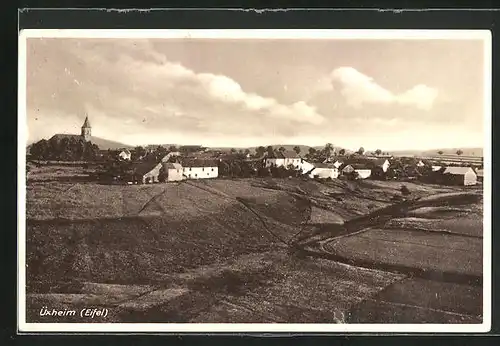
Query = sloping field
x=214 y=251
x=413 y=249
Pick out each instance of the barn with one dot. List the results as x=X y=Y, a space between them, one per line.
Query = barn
x=460 y=176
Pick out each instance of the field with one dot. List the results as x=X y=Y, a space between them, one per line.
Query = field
x=253 y=250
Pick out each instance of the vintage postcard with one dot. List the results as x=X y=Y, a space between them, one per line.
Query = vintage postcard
x=254 y=181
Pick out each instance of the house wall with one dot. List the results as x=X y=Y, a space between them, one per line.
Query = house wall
x=124 y=156
x=174 y=174
x=325 y=173
x=470 y=178
x=385 y=166
x=275 y=162
x=294 y=162
x=201 y=172
x=364 y=173
x=152 y=175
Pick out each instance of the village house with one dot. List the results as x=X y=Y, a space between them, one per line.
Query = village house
x=173 y=171
x=382 y=163
x=459 y=176
x=146 y=172
x=306 y=167
x=324 y=171
x=363 y=170
x=200 y=169
x=283 y=159
x=125 y=155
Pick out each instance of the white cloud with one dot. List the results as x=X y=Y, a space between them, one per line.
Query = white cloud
x=359 y=89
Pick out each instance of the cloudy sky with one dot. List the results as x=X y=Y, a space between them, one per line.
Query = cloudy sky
x=387 y=94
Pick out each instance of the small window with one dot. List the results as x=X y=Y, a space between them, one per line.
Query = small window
x=208 y=173
x=196 y=175
x=212 y=169
x=203 y=169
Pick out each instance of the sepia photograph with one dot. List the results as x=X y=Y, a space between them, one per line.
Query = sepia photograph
x=254 y=180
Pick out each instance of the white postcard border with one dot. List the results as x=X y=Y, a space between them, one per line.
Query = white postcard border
x=24 y=327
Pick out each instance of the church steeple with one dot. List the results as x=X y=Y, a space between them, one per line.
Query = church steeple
x=86 y=129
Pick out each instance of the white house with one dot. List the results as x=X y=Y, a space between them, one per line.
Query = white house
x=460 y=175
x=420 y=164
x=125 y=155
x=436 y=168
x=324 y=171
x=200 y=169
x=363 y=170
x=283 y=159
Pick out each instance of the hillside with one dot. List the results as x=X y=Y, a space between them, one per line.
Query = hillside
x=218 y=251
x=105 y=144
x=477 y=152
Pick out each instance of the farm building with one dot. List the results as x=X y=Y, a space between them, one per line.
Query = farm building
x=172 y=171
x=283 y=159
x=436 y=168
x=146 y=172
x=363 y=170
x=200 y=169
x=324 y=171
x=125 y=155
x=459 y=176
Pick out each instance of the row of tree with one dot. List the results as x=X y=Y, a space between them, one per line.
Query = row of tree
x=65 y=149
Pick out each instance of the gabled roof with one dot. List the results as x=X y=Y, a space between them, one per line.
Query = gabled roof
x=324 y=165
x=144 y=167
x=480 y=172
x=361 y=166
x=287 y=154
x=126 y=151
x=86 y=123
x=380 y=161
x=171 y=165
x=457 y=170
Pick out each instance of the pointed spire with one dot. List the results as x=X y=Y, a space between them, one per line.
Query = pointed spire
x=86 y=123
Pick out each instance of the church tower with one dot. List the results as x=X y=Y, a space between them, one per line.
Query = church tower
x=86 y=130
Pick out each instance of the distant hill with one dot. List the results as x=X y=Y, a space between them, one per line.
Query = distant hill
x=105 y=144
x=476 y=152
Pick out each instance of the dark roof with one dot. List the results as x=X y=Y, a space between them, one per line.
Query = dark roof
x=86 y=123
x=143 y=167
x=287 y=154
x=379 y=161
x=170 y=165
x=324 y=165
x=190 y=162
x=361 y=166
x=61 y=136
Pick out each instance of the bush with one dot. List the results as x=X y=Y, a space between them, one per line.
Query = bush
x=405 y=191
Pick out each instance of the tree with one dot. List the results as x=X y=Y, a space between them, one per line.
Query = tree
x=282 y=149
x=378 y=152
x=270 y=150
x=233 y=151
x=312 y=151
x=139 y=152
x=342 y=152
x=440 y=152
x=361 y=151
x=327 y=150
x=260 y=151
x=247 y=151
x=224 y=169
x=172 y=148
x=459 y=152
x=296 y=149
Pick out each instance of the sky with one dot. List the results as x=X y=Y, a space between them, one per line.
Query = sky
x=379 y=94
